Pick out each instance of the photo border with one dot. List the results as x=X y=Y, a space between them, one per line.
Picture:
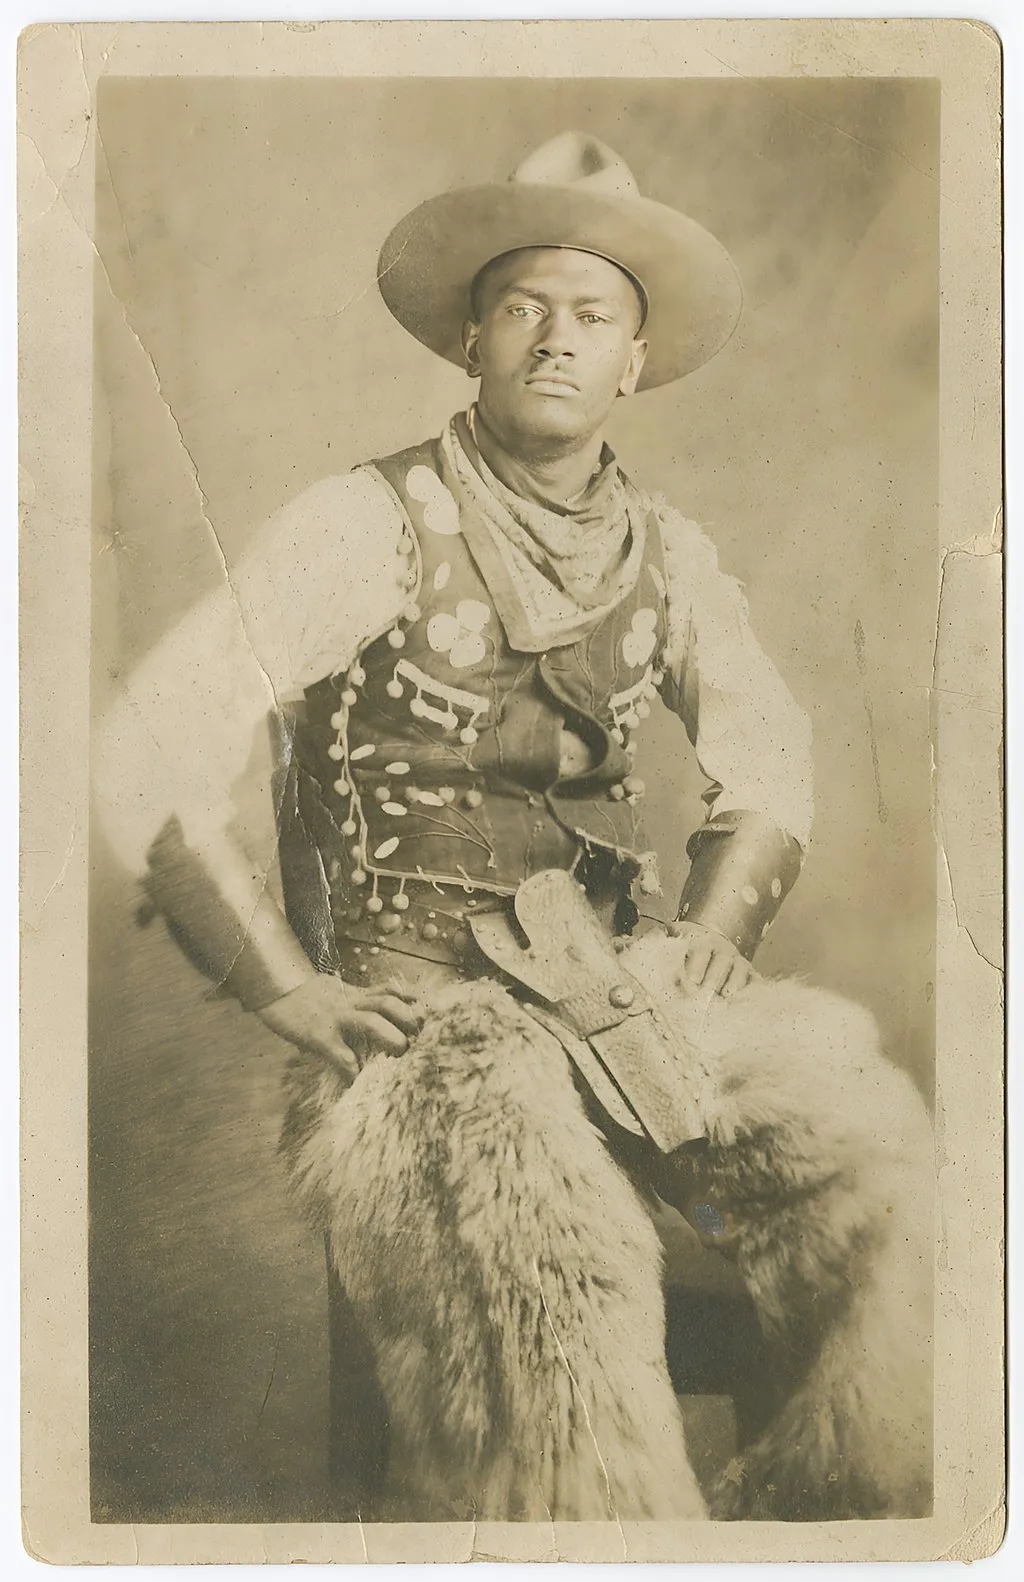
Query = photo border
x=59 y=67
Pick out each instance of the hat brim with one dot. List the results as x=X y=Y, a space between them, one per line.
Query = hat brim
x=432 y=256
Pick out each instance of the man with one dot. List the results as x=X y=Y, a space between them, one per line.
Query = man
x=460 y=644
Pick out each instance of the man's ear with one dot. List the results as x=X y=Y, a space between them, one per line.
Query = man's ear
x=634 y=368
x=470 y=337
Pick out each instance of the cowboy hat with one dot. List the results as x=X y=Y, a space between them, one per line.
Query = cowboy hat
x=572 y=191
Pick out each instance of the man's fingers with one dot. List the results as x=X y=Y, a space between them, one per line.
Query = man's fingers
x=696 y=963
x=719 y=970
x=341 y=1056
x=377 y=1033
x=731 y=981
x=740 y=974
x=405 y=1014
x=396 y=991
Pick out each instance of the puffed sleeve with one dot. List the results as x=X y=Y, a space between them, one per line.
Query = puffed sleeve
x=317 y=581
x=752 y=739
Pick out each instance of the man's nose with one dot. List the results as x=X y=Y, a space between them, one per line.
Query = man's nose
x=557 y=337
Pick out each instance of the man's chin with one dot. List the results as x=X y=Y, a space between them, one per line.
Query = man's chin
x=554 y=417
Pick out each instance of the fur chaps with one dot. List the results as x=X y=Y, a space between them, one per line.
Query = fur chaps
x=509 y=1275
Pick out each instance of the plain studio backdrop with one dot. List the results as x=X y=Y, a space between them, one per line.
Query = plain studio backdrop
x=242 y=350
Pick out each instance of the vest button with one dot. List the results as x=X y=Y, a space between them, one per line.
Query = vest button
x=429 y=931
x=473 y=799
x=621 y=996
x=389 y=922
x=462 y=941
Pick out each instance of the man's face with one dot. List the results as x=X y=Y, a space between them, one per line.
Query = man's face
x=554 y=342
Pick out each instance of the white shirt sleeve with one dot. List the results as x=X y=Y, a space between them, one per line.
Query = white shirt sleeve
x=752 y=739
x=317 y=582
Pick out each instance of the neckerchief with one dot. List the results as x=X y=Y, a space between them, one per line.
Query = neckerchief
x=545 y=588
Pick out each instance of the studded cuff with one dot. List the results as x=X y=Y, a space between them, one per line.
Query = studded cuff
x=220 y=914
x=742 y=868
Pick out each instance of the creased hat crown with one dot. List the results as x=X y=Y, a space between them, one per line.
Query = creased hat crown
x=575 y=159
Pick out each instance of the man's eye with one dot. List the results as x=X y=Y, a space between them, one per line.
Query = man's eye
x=593 y=318
x=522 y=310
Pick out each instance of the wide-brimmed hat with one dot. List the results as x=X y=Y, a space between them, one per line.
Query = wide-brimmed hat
x=572 y=191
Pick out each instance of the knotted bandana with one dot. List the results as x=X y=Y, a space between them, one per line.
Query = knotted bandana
x=565 y=567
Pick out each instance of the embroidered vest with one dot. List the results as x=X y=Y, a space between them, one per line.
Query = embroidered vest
x=437 y=756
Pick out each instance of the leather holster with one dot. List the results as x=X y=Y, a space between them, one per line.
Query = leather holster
x=637 y=1067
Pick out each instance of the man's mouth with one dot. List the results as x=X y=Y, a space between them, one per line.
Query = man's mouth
x=552 y=384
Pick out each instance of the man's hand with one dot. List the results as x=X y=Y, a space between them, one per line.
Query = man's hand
x=709 y=960
x=342 y=1024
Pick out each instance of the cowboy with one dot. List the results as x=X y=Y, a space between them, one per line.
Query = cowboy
x=459 y=645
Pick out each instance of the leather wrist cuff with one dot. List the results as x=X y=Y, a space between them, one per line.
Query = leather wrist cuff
x=742 y=868
x=221 y=915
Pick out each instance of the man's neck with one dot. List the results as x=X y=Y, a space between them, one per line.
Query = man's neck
x=539 y=470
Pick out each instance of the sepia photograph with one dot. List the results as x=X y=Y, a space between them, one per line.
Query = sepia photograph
x=516 y=859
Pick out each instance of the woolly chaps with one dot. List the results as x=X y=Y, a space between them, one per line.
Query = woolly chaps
x=509 y=1274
